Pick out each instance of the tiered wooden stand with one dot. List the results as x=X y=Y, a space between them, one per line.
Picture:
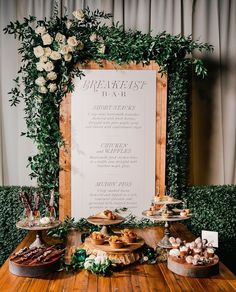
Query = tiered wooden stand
x=39 y=269
x=105 y=223
x=124 y=256
x=164 y=242
x=38 y=229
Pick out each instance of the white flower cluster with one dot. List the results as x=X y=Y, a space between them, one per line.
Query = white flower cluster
x=99 y=260
x=47 y=56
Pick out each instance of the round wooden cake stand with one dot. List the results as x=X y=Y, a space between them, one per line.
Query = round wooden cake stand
x=38 y=229
x=124 y=256
x=104 y=223
x=164 y=242
x=180 y=267
x=34 y=270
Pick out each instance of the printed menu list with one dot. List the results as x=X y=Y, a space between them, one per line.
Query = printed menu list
x=113 y=121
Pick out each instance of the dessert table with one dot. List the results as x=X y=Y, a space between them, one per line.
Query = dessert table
x=136 y=277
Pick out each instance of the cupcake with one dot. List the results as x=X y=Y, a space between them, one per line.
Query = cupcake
x=183 y=214
x=150 y=212
x=189 y=259
x=165 y=215
x=197 y=257
x=170 y=199
x=197 y=251
x=174 y=252
x=157 y=199
x=210 y=252
x=171 y=239
x=192 y=245
x=198 y=240
x=183 y=251
x=187 y=211
x=175 y=245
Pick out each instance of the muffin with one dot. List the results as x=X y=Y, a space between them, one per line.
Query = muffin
x=183 y=251
x=129 y=236
x=97 y=238
x=116 y=242
x=210 y=252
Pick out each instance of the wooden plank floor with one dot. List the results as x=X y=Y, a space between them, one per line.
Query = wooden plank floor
x=137 y=278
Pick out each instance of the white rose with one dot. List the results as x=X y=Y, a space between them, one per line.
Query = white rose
x=38 y=51
x=52 y=87
x=79 y=14
x=42 y=89
x=52 y=75
x=101 y=49
x=68 y=57
x=43 y=59
x=65 y=49
x=72 y=41
x=55 y=55
x=47 y=39
x=60 y=38
x=40 y=30
x=40 y=81
x=47 y=51
x=93 y=37
x=80 y=45
x=48 y=66
x=87 y=265
x=39 y=66
x=68 y=24
x=92 y=257
x=98 y=260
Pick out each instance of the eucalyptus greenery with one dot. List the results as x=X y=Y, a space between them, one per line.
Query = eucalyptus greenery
x=58 y=44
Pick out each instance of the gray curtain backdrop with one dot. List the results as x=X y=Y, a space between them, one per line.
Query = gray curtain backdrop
x=213 y=139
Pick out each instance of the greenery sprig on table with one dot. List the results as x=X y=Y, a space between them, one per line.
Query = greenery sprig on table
x=50 y=50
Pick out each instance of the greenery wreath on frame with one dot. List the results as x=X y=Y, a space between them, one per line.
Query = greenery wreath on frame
x=50 y=50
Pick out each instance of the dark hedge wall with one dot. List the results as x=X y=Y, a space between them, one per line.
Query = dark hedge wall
x=10 y=211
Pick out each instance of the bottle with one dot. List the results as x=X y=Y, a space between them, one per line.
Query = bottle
x=36 y=212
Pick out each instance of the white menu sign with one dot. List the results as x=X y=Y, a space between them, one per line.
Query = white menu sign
x=113 y=126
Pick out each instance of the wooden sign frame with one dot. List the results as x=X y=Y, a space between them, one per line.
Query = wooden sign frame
x=65 y=127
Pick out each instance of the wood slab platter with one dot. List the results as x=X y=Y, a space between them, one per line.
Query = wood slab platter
x=34 y=270
x=180 y=267
x=129 y=247
x=104 y=221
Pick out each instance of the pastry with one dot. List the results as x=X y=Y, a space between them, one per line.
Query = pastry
x=150 y=212
x=183 y=213
x=107 y=214
x=116 y=242
x=129 y=236
x=97 y=238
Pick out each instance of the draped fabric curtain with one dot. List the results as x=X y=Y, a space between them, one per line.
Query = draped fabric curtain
x=213 y=146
